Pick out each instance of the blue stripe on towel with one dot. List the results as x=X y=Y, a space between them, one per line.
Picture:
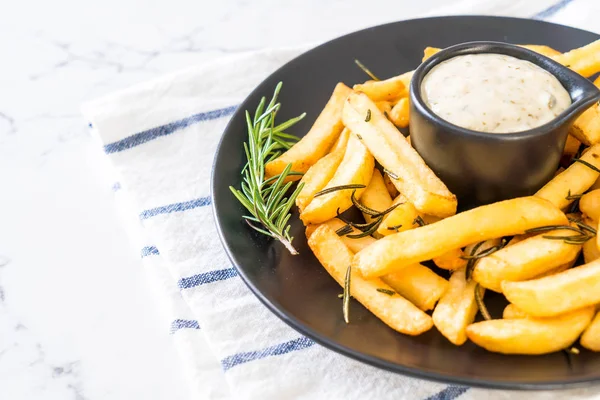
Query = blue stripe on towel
x=282 y=348
x=206 y=277
x=176 y=207
x=184 y=324
x=164 y=130
x=149 y=250
x=450 y=393
x=553 y=9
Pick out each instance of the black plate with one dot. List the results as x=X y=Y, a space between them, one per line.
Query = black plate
x=298 y=290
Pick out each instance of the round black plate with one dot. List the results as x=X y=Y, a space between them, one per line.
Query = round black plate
x=298 y=290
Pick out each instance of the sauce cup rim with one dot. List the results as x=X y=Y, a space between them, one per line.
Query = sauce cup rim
x=582 y=91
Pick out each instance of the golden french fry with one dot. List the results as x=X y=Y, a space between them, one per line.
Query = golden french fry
x=388 y=90
x=557 y=270
x=456 y=309
x=399 y=114
x=405 y=78
x=356 y=168
x=400 y=218
x=556 y=294
x=530 y=335
x=584 y=60
x=450 y=260
x=355 y=245
x=429 y=51
x=384 y=106
x=512 y=312
x=590 y=339
x=390 y=186
x=375 y=195
x=341 y=142
x=574 y=180
x=394 y=310
x=597 y=81
x=418 y=284
x=415 y=180
x=586 y=127
x=525 y=260
x=590 y=251
x=589 y=204
x=319 y=139
x=571 y=147
x=317 y=176
x=505 y=218
x=543 y=50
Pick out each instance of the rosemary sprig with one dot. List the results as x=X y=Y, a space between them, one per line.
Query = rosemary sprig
x=366 y=70
x=344 y=230
x=395 y=227
x=419 y=221
x=386 y=291
x=369 y=211
x=265 y=199
x=368 y=231
x=336 y=188
x=474 y=256
x=585 y=232
x=368 y=117
x=346 y=297
x=572 y=196
x=391 y=174
x=587 y=164
x=480 y=304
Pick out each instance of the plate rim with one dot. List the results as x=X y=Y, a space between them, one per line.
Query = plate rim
x=332 y=345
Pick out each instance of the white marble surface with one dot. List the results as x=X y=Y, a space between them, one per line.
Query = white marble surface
x=77 y=318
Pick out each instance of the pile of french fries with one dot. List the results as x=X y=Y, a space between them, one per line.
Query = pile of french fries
x=524 y=248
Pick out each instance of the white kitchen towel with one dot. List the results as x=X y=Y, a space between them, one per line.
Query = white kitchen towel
x=160 y=138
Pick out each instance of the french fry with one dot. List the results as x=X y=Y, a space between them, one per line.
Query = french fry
x=355 y=168
x=355 y=245
x=341 y=142
x=590 y=251
x=590 y=339
x=556 y=294
x=571 y=147
x=543 y=50
x=530 y=335
x=512 y=312
x=399 y=114
x=586 y=127
x=557 y=270
x=524 y=260
x=319 y=139
x=415 y=180
x=574 y=180
x=405 y=78
x=589 y=204
x=418 y=284
x=584 y=60
x=394 y=310
x=375 y=195
x=317 y=176
x=390 y=186
x=429 y=51
x=505 y=218
x=597 y=81
x=450 y=260
x=388 y=90
x=400 y=218
x=456 y=309
x=384 y=107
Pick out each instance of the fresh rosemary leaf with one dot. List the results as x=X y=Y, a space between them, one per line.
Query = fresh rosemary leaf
x=369 y=231
x=572 y=196
x=344 y=230
x=346 y=296
x=391 y=174
x=419 y=221
x=395 y=227
x=358 y=136
x=366 y=70
x=471 y=262
x=368 y=117
x=480 y=304
x=586 y=227
x=341 y=296
x=386 y=291
x=267 y=200
x=336 y=188
x=587 y=164
x=548 y=228
x=369 y=211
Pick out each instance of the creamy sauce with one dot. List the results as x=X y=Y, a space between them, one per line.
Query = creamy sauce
x=493 y=93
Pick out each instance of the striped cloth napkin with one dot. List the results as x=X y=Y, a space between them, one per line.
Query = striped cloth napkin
x=160 y=138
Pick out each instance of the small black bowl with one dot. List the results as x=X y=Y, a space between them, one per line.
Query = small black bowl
x=482 y=168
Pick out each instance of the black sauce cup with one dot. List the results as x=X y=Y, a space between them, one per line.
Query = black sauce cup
x=482 y=168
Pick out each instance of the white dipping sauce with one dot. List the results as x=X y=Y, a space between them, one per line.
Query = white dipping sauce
x=493 y=93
